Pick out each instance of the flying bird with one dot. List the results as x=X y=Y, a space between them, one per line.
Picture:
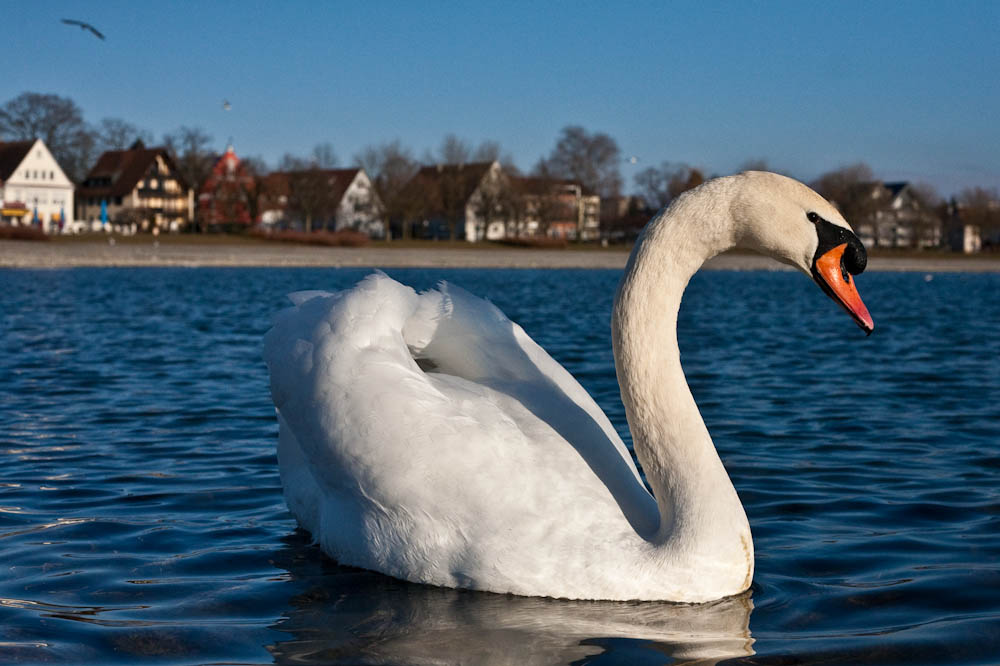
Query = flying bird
x=83 y=26
x=226 y=106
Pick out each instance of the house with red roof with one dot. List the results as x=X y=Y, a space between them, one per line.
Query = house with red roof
x=33 y=187
x=139 y=188
x=227 y=200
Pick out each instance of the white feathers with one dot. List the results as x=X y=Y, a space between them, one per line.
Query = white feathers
x=428 y=437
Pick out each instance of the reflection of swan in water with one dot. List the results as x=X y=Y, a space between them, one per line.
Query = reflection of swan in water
x=492 y=469
x=358 y=617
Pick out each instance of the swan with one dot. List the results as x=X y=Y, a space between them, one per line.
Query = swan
x=427 y=437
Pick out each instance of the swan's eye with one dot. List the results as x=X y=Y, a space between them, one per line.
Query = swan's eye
x=812 y=217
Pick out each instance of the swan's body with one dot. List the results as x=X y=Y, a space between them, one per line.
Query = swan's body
x=494 y=470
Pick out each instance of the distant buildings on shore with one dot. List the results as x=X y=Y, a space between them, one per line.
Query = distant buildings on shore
x=33 y=188
x=143 y=190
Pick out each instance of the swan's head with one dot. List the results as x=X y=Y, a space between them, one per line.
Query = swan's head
x=787 y=220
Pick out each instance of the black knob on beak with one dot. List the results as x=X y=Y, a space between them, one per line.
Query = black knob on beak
x=855 y=256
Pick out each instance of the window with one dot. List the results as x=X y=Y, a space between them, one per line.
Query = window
x=52 y=175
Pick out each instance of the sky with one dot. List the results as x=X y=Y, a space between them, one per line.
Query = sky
x=910 y=88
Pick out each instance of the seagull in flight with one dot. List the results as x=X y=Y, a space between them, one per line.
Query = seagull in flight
x=83 y=26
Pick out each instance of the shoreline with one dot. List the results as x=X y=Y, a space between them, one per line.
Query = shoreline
x=42 y=255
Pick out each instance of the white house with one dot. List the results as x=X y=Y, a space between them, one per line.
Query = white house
x=465 y=198
x=341 y=199
x=33 y=187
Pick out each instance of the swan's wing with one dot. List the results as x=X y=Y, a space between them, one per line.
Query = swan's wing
x=462 y=463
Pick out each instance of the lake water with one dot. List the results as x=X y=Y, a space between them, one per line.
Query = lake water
x=142 y=520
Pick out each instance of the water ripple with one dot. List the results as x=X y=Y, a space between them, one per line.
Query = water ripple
x=141 y=514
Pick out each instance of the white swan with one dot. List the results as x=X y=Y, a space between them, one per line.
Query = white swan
x=429 y=438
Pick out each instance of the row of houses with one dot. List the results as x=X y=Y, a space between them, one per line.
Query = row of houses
x=141 y=189
x=897 y=216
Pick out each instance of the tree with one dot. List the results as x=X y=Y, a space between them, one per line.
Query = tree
x=928 y=216
x=852 y=190
x=189 y=147
x=981 y=206
x=55 y=120
x=323 y=156
x=590 y=159
x=454 y=151
x=545 y=198
x=310 y=195
x=755 y=164
x=118 y=134
x=661 y=185
x=391 y=166
x=450 y=190
x=449 y=195
x=256 y=167
x=494 y=201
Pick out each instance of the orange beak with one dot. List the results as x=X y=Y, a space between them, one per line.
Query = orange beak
x=832 y=276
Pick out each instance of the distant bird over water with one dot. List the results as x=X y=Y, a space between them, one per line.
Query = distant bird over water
x=84 y=26
x=226 y=106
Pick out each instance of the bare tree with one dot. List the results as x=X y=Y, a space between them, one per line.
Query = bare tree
x=755 y=164
x=449 y=194
x=391 y=166
x=685 y=179
x=454 y=150
x=450 y=190
x=929 y=215
x=256 y=167
x=852 y=190
x=590 y=159
x=118 y=134
x=80 y=154
x=654 y=185
x=490 y=151
x=55 y=120
x=661 y=185
x=323 y=156
x=311 y=194
x=981 y=206
x=190 y=149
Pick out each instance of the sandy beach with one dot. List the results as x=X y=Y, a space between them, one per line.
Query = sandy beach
x=24 y=254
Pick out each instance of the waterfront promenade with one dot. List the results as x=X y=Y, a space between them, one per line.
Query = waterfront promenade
x=169 y=252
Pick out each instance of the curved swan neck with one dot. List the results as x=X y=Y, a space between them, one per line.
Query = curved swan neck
x=699 y=510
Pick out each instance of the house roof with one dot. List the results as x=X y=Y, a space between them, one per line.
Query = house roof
x=124 y=168
x=471 y=174
x=537 y=185
x=277 y=183
x=895 y=188
x=433 y=184
x=12 y=153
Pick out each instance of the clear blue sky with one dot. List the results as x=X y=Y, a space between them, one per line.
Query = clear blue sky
x=909 y=87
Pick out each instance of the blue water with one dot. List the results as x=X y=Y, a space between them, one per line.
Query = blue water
x=141 y=515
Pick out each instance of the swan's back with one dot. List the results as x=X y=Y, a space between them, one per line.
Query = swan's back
x=461 y=475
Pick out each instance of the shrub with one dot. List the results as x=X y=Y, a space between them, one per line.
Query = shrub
x=8 y=232
x=541 y=242
x=342 y=238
